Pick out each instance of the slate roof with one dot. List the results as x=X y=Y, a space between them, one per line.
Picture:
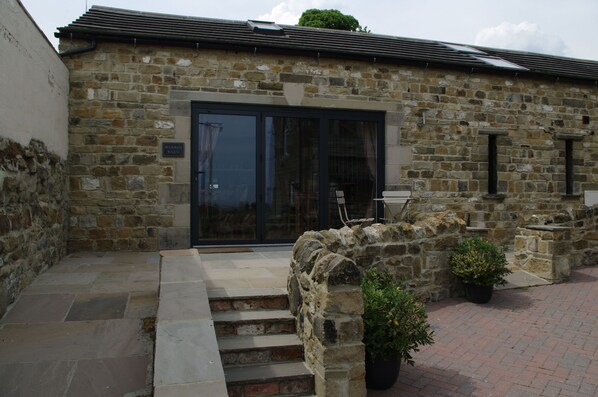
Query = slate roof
x=112 y=24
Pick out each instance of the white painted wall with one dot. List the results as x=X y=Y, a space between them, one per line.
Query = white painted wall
x=34 y=82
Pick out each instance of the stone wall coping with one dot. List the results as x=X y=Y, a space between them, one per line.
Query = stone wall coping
x=477 y=229
x=548 y=228
x=187 y=360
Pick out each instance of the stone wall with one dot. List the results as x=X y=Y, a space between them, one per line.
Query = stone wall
x=125 y=100
x=554 y=244
x=325 y=294
x=584 y=230
x=33 y=214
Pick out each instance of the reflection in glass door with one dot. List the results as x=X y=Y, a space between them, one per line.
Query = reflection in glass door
x=353 y=167
x=225 y=177
x=291 y=177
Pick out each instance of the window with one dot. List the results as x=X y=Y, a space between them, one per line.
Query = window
x=569 y=140
x=568 y=166
x=492 y=165
x=493 y=160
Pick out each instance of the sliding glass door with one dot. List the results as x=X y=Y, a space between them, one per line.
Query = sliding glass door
x=291 y=176
x=225 y=175
x=266 y=175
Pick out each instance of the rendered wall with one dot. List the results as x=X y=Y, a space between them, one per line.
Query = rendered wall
x=33 y=148
x=33 y=83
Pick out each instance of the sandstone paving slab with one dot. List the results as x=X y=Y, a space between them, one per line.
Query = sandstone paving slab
x=210 y=284
x=73 y=340
x=53 y=289
x=47 y=378
x=251 y=315
x=186 y=268
x=520 y=279
x=186 y=352
x=77 y=266
x=238 y=342
x=275 y=282
x=239 y=274
x=269 y=371
x=246 y=292
x=130 y=277
x=144 y=276
x=211 y=389
x=141 y=286
x=39 y=309
x=177 y=253
x=98 y=307
x=142 y=305
x=62 y=279
x=183 y=301
x=110 y=377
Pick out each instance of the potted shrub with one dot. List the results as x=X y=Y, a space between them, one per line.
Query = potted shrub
x=480 y=265
x=395 y=325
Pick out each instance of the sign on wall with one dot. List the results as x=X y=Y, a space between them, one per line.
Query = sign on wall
x=173 y=149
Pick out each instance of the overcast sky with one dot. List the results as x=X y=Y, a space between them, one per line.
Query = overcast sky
x=559 y=27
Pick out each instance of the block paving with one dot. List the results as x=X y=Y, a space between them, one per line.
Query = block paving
x=540 y=341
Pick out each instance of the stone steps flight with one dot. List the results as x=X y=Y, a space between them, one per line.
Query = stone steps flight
x=259 y=348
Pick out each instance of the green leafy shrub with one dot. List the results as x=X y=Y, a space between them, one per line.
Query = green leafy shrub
x=395 y=322
x=479 y=262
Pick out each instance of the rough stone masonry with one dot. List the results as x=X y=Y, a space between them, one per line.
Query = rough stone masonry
x=33 y=214
x=125 y=100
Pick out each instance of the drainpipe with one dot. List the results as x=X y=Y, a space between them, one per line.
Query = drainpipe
x=79 y=50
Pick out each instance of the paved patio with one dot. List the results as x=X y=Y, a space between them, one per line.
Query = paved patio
x=78 y=329
x=540 y=341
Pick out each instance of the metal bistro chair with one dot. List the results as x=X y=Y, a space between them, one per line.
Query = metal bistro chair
x=342 y=211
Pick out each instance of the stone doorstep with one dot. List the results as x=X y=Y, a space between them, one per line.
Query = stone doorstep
x=245 y=299
x=246 y=293
x=268 y=373
x=250 y=342
x=253 y=322
x=259 y=349
x=233 y=316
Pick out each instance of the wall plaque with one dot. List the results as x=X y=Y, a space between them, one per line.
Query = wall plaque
x=173 y=149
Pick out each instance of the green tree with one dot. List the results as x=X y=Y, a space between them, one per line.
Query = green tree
x=330 y=19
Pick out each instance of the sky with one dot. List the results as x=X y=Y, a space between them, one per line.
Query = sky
x=559 y=27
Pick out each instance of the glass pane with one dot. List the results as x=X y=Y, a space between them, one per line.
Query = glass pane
x=352 y=168
x=291 y=199
x=226 y=177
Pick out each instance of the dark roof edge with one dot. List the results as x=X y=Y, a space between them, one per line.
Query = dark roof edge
x=103 y=34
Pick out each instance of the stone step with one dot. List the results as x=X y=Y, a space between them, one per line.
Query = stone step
x=259 y=349
x=278 y=379
x=222 y=299
x=253 y=322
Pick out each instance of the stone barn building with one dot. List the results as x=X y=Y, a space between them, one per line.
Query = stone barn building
x=190 y=131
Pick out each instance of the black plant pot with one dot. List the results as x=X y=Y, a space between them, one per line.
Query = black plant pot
x=478 y=293
x=381 y=373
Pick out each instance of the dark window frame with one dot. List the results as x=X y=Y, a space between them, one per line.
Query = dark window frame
x=262 y=111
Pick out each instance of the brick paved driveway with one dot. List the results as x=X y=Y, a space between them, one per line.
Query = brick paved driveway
x=541 y=341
